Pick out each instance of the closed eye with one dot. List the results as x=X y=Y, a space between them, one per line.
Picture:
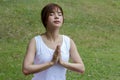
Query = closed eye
x=59 y=13
x=51 y=14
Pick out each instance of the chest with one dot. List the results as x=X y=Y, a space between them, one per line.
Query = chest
x=52 y=44
x=45 y=54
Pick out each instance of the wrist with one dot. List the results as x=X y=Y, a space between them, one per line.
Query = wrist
x=51 y=63
x=62 y=63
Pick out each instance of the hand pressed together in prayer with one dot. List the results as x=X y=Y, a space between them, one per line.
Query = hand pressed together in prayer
x=57 y=55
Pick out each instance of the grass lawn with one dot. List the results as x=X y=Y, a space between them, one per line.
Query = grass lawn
x=94 y=25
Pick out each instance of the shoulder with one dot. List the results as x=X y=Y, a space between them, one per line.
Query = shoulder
x=66 y=37
x=34 y=39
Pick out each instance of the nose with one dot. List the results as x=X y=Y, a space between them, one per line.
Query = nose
x=56 y=16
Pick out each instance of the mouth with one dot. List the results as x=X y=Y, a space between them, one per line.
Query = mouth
x=57 y=22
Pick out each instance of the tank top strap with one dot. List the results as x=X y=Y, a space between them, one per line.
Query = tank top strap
x=66 y=40
x=38 y=42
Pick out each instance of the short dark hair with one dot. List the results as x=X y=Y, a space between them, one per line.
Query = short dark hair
x=47 y=10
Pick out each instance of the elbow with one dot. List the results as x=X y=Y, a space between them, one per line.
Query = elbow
x=82 y=70
x=25 y=72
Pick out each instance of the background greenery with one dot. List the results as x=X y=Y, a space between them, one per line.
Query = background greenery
x=94 y=25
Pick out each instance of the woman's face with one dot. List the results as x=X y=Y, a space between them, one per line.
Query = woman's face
x=55 y=19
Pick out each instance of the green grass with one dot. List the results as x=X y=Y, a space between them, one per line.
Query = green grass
x=94 y=25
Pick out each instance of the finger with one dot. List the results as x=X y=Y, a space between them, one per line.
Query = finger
x=58 y=49
x=58 y=46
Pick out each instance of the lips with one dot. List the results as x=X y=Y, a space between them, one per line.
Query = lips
x=56 y=22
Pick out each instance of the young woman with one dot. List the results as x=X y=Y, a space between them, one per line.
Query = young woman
x=48 y=54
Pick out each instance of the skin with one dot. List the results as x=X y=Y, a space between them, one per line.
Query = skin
x=53 y=40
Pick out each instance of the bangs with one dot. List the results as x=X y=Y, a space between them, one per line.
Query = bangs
x=53 y=8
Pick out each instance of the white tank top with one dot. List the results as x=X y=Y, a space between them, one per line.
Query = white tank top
x=44 y=54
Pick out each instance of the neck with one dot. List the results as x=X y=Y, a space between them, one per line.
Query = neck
x=52 y=35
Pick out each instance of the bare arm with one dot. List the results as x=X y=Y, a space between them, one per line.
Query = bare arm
x=28 y=66
x=77 y=63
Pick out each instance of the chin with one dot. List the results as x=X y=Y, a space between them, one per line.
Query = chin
x=58 y=26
